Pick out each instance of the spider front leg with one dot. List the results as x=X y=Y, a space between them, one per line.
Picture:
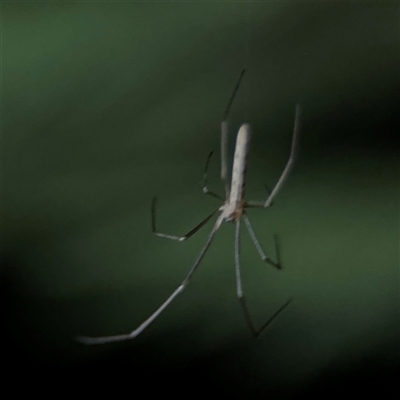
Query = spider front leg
x=288 y=166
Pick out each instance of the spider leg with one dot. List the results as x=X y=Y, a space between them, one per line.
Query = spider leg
x=173 y=237
x=119 y=338
x=258 y=246
x=256 y=332
x=286 y=171
x=205 y=188
x=290 y=161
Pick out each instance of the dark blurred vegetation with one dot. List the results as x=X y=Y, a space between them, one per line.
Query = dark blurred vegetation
x=106 y=104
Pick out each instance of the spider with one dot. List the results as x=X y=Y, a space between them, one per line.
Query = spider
x=232 y=210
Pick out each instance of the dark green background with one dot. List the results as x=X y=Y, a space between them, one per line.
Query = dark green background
x=106 y=104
